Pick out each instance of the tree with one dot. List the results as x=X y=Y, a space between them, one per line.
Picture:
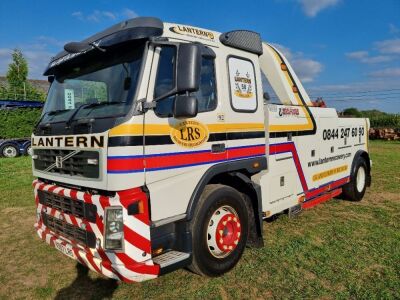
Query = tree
x=17 y=70
x=18 y=85
x=352 y=112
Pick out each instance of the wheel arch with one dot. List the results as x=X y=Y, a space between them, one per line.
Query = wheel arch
x=236 y=175
x=25 y=145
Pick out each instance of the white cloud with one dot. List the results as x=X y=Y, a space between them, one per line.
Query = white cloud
x=389 y=46
x=98 y=16
x=388 y=72
x=38 y=61
x=363 y=57
x=50 y=41
x=357 y=54
x=312 y=7
x=306 y=69
x=393 y=29
x=129 y=13
x=78 y=15
x=385 y=51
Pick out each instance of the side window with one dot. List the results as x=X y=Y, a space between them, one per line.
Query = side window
x=242 y=85
x=165 y=71
x=267 y=88
x=206 y=95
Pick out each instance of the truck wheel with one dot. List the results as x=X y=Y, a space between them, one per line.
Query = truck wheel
x=355 y=189
x=28 y=149
x=9 y=150
x=219 y=230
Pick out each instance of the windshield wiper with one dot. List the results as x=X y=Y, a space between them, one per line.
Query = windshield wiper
x=50 y=113
x=97 y=104
x=89 y=105
x=56 y=112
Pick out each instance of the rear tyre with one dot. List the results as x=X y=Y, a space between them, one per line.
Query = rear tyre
x=9 y=150
x=355 y=189
x=219 y=230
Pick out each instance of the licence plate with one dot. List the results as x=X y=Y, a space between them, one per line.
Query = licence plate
x=66 y=249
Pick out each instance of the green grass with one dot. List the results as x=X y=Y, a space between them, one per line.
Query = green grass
x=336 y=250
x=16 y=182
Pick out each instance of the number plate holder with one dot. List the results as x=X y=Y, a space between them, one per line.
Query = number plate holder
x=65 y=249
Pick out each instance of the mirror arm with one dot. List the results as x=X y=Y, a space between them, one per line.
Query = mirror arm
x=94 y=45
x=145 y=106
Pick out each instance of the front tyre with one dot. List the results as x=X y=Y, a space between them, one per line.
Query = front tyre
x=355 y=189
x=219 y=230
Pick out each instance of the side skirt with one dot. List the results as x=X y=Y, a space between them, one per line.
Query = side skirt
x=320 y=199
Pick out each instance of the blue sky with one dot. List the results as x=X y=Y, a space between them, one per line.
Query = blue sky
x=347 y=51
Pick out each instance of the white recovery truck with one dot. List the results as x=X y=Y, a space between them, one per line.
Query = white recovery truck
x=159 y=148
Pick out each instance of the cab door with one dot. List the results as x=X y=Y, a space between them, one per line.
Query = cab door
x=179 y=151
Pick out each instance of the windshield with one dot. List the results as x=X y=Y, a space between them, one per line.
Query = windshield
x=101 y=88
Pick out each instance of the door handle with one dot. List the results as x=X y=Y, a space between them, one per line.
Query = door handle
x=218 y=148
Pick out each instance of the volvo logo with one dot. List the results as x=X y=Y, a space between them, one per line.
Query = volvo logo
x=59 y=162
x=60 y=159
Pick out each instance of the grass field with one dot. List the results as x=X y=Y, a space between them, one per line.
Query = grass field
x=336 y=250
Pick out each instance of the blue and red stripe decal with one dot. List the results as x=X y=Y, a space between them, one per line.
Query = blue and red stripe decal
x=165 y=161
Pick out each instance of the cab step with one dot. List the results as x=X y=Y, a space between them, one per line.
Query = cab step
x=172 y=260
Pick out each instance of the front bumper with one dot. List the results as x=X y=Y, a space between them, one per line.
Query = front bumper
x=133 y=264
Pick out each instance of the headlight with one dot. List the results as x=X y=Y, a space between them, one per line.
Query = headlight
x=114 y=228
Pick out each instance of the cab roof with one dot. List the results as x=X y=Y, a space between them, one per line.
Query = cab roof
x=145 y=28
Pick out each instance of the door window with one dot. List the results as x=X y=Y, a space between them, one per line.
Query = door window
x=206 y=95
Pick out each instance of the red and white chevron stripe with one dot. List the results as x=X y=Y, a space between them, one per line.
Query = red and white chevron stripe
x=134 y=263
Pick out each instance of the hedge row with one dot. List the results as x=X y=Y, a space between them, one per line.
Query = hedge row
x=390 y=121
x=18 y=123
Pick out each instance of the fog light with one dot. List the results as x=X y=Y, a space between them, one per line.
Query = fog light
x=92 y=161
x=114 y=228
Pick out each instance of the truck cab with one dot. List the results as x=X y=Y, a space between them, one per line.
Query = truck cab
x=159 y=148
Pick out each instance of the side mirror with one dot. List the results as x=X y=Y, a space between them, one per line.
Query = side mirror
x=185 y=107
x=188 y=68
x=50 y=78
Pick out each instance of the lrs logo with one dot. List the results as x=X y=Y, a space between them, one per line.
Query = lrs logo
x=189 y=134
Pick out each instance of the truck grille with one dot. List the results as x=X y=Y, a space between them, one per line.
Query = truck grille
x=67 y=205
x=76 y=165
x=69 y=231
